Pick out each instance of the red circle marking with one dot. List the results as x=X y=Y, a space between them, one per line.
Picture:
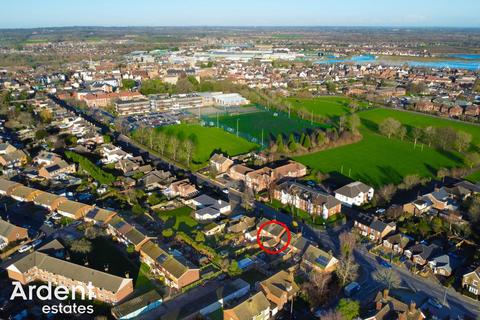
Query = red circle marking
x=283 y=225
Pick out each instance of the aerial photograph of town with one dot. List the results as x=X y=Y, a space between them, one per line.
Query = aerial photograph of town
x=240 y=160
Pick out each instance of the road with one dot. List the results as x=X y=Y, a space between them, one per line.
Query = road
x=456 y=303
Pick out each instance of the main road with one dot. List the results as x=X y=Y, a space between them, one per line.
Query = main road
x=456 y=303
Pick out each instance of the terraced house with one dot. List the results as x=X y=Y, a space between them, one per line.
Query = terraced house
x=471 y=282
x=312 y=201
x=11 y=233
x=372 y=227
x=178 y=271
x=38 y=266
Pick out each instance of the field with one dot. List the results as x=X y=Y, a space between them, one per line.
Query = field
x=211 y=140
x=251 y=125
x=371 y=118
x=378 y=160
x=330 y=106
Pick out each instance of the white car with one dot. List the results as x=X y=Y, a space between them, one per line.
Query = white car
x=25 y=248
x=56 y=216
x=49 y=223
x=226 y=191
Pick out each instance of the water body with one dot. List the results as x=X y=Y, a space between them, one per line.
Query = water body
x=467 y=62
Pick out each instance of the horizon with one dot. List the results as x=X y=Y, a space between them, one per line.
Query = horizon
x=250 y=13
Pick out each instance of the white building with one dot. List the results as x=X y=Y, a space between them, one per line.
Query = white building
x=354 y=194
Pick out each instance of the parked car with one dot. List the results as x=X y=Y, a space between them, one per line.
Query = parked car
x=435 y=303
x=25 y=248
x=36 y=242
x=48 y=223
x=385 y=264
x=56 y=216
x=351 y=288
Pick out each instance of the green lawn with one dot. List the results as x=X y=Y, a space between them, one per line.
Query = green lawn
x=211 y=140
x=179 y=219
x=474 y=177
x=329 y=106
x=378 y=160
x=272 y=123
x=371 y=119
x=142 y=282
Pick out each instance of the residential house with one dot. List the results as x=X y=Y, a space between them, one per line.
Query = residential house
x=135 y=238
x=11 y=233
x=389 y=308
x=471 y=281
x=442 y=265
x=178 y=272
x=156 y=179
x=7 y=187
x=113 y=154
x=354 y=194
x=421 y=253
x=72 y=209
x=315 y=259
x=14 y=158
x=256 y=307
x=53 y=170
x=260 y=179
x=396 y=243
x=220 y=163
x=242 y=224
x=239 y=172
x=99 y=216
x=118 y=227
x=312 y=201
x=213 y=228
x=280 y=288
x=38 y=266
x=208 y=208
x=137 y=306
x=440 y=200
x=182 y=188
x=372 y=227
x=24 y=194
x=48 y=200
x=46 y=158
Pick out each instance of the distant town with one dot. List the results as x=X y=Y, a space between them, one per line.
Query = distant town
x=216 y=173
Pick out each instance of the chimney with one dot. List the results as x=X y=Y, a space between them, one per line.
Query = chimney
x=385 y=294
x=413 y=307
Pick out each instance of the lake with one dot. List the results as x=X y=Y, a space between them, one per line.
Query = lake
x=463 y=61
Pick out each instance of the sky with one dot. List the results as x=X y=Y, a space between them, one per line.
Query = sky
x=406 y=13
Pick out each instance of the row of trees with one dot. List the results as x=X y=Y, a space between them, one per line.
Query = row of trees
x=445 y=138
x=175 y=145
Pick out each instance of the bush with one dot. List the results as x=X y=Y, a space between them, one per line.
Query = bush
x=167 y=233
x=94 y=171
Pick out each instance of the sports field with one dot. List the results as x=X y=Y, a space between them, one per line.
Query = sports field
x=271 y=123
x=212 y=140
x=378 y=160
x=371 y=119
x=329 y=106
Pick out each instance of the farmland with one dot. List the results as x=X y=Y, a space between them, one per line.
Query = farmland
x=211 y=140
x=251 y=125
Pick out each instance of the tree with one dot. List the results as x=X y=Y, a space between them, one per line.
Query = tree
x=93 y=232
x=188 y=147
x=332 y=315
x=472 y=159
x=385 y=193
x=234 y=269
x=128 y=84
x=184 y=86
x=349 y=309
x=306 y=142
x=292 y=144
x=410 y=181
x=347 y=267
x=462 y=141
x=174 y=144
x=388 y=277
x=402 y=132
x=353 y=123
x=280 y=145
x=389 y=127
x=417 y=134
x=446 y=137
x=46 y=116
x=200 y=237
x=429 y=135
x=442 y=173
x=81 y=246
x=41 y=134
x=316 y=288
x=167 y=233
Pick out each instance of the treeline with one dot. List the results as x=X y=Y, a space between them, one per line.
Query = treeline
x=94 y=171
x=175 y=145
x=446 y=138
x=345 y=132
